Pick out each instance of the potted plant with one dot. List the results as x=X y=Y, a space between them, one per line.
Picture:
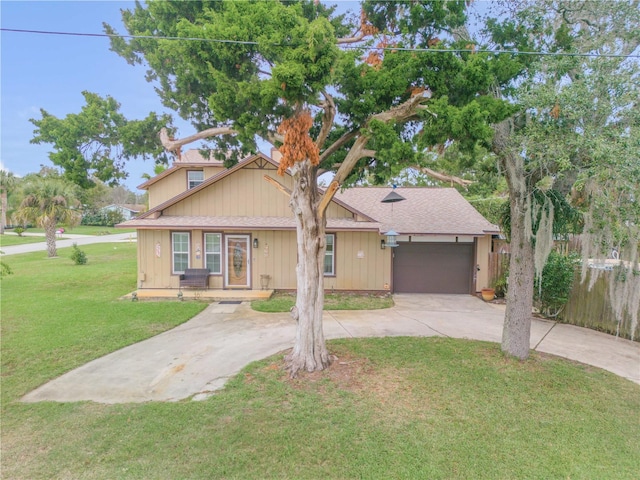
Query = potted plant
x=488 y=294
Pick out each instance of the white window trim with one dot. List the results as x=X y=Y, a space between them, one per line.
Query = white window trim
x=173 y=251
x=332 y=254
x=189 y=181
x=219 y=253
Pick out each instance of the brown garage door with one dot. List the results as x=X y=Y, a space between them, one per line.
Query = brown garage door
x=433 y=268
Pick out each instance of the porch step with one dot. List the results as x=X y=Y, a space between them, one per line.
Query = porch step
x=210 y=295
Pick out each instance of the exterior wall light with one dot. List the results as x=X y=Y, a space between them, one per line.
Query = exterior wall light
x=391 y=239
x=255 y=243
x=383 y=245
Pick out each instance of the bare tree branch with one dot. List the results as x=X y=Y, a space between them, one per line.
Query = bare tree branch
x=337 y=144
x=329 y=114
x=355 y=39
x=278 y=185
x=174 y=145
x=443 y=177
x=275 y=138
x=400 y=113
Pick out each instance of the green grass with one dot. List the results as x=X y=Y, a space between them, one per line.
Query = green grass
x=87 y=230
x=387 y=408
x=57 y=315
x=283 y=301
x=8 y=240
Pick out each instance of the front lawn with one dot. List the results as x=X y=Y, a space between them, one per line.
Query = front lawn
x=283 y=301
x=387 y=408
x=57 y=315
x=9 y=240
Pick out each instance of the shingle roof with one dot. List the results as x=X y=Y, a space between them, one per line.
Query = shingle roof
x=254 y=223
x=189 y=159
x=425 y=211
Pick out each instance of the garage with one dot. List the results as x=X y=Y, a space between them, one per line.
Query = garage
x=433 y=268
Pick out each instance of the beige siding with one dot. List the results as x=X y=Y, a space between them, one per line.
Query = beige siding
x=482 y=258
x=175 y=183
x=275 y=256
x=154 y=271
x=245 y=193
x=360 y=263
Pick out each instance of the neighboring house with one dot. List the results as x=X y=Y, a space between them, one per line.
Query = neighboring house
x=127 y=210
x=241 y=227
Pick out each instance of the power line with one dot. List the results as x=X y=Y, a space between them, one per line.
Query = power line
x=392 y=49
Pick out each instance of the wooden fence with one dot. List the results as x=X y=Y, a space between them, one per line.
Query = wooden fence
x=585 y=308
x=498 y=266
x=592 y=308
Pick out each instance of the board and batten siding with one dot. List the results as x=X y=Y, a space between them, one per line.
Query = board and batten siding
x=176 y=183
x=245 y=193
x=360 y=264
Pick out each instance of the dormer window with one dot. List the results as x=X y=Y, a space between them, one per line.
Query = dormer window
x=194 y=178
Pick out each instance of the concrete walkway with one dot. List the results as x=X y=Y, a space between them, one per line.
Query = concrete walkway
x=197 y=358
x=67 y=241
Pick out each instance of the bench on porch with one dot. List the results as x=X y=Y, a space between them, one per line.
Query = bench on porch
x=195 y=277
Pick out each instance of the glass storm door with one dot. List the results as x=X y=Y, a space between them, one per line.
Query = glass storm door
x=237 y=250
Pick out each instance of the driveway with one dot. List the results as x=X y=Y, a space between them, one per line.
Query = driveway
x=196 y=358
x=67 y=241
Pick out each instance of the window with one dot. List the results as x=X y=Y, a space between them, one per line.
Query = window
x=194 y=178
x=329 y=255
x=180 y=247
x=213 y=252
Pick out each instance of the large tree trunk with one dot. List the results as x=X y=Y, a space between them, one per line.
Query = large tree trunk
x=516 y=332
x=309 y=351
x=50 y=235
x=3 y=220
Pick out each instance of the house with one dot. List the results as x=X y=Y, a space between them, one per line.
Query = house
x=239 y=225
x=127 y=210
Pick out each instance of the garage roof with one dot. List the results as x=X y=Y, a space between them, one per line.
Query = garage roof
x=426 y=211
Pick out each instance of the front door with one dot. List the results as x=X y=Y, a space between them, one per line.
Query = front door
x=237 y=273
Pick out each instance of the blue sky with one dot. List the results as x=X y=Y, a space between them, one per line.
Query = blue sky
x=51 y=71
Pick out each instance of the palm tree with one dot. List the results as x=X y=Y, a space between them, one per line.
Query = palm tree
x=7 y=182
x=47 y=202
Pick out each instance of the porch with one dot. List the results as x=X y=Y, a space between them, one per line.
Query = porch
x=210 y=295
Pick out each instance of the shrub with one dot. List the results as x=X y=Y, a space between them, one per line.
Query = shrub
x=5 y=269
x=78 y=256
x=501 y=284
x=552 y=291
x=102 y=218
x=19 y=231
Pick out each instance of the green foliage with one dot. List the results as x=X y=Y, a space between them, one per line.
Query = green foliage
x=490 y=208
x=5 y=269
x=97 y=141
x=47 y=202
x=566 y=218
x=294 y=56
x=78 y=256
x=102 y=218
x=553 y=289
x=19 y=231
x=501 y=285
